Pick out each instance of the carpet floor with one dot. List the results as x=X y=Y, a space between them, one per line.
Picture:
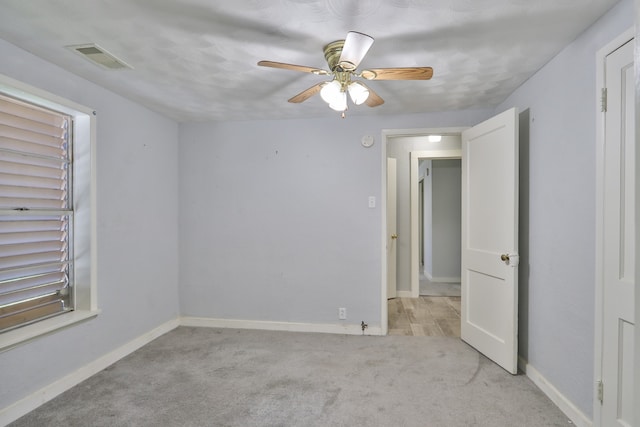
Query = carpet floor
x=227 y=377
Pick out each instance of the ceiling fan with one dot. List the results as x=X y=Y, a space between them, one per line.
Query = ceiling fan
x=343 y=58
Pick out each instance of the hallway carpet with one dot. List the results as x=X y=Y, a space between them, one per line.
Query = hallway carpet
x=226 y=377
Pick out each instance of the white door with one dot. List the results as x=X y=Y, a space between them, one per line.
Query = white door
x=392 y=233
x=618 y=240
x=490 y=238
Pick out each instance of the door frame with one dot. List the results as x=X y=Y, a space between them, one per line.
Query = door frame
x=387 y=134
x=599 y=243
x=414 y=208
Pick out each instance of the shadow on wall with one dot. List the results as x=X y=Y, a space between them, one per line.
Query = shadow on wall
x=523 y=237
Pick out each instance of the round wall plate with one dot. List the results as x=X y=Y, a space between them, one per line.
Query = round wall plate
x=367 y=141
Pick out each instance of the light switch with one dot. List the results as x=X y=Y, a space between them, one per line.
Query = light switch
x=372 y=201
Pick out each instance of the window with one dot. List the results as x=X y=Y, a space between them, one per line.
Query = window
x=36 y=213
x=47 y=215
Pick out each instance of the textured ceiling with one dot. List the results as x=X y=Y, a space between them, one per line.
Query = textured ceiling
x=196 y=59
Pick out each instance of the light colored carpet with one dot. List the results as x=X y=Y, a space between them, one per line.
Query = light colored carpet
x=226 y=377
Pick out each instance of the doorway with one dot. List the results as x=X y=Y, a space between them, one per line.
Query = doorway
x=489 y=255
x=410 y=313
x=439 y=226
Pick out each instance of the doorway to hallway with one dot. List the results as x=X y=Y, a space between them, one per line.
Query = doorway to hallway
x=439 y=226
x=489 y=231
x=422 y=161
x=425 y=316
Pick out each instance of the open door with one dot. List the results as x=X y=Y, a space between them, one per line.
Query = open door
x=392 y=227
x=489 y=318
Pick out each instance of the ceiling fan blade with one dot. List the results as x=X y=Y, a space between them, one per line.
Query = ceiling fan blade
x=407 y=73
x=306 y=94
x=293 y=67
x=356 y=46
x=374 y=99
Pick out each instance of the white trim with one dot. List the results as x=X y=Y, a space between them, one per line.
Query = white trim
x=45 y=394
x=405 y=294
x=446 y=279
x=599 y=242
x=328 y=328
x=384 y=309
x=566 y=406
x=41 y=97
x=15 y=337
x=442 y=279
x=85 y=211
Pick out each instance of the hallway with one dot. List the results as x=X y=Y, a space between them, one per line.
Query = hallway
x=425 y=316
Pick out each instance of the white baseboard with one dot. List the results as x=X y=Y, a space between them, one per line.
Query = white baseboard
x=404 y=294
x=570 y=410
x=445 y=279
x=45 y=394
x=329 y=328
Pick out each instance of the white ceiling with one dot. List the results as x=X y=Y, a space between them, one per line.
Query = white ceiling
x=196 y=60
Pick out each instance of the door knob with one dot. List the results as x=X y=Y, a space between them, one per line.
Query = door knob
x=394 y=236
x=504 y=257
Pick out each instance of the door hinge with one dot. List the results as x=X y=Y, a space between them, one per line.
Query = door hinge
x=603 y=99
x=600 y=387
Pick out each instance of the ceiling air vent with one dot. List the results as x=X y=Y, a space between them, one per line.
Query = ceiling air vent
x=98 y=55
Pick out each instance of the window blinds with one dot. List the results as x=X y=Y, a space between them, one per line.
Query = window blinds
x=35 y=213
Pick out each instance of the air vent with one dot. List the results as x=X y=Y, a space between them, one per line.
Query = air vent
x=98 y=55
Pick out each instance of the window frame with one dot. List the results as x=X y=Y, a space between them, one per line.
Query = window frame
x=84 y=207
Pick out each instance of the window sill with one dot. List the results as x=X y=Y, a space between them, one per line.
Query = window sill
x=24 y=334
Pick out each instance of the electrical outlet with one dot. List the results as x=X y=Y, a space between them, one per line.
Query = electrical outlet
x=342 y=313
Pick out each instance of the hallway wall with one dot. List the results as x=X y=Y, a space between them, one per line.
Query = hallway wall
x=446 y=219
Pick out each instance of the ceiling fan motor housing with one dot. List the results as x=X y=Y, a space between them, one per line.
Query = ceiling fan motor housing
x=332 y=53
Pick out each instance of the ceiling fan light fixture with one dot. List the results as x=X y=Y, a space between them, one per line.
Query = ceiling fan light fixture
x=339 y=103
x=358 y=92
x=331 y=91
x=343 y=58
x=356 y=46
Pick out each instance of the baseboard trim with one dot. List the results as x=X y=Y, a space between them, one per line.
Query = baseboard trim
x=404 y=294
x=328 y=328
x=45 y=394
x=570 y=410
x=445 y=279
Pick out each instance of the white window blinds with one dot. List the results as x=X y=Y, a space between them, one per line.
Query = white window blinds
x=35 y=213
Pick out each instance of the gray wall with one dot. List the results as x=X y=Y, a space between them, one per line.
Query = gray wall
x=275 y=224
x=557 y=283
x=446 y=222
x=137 y=230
